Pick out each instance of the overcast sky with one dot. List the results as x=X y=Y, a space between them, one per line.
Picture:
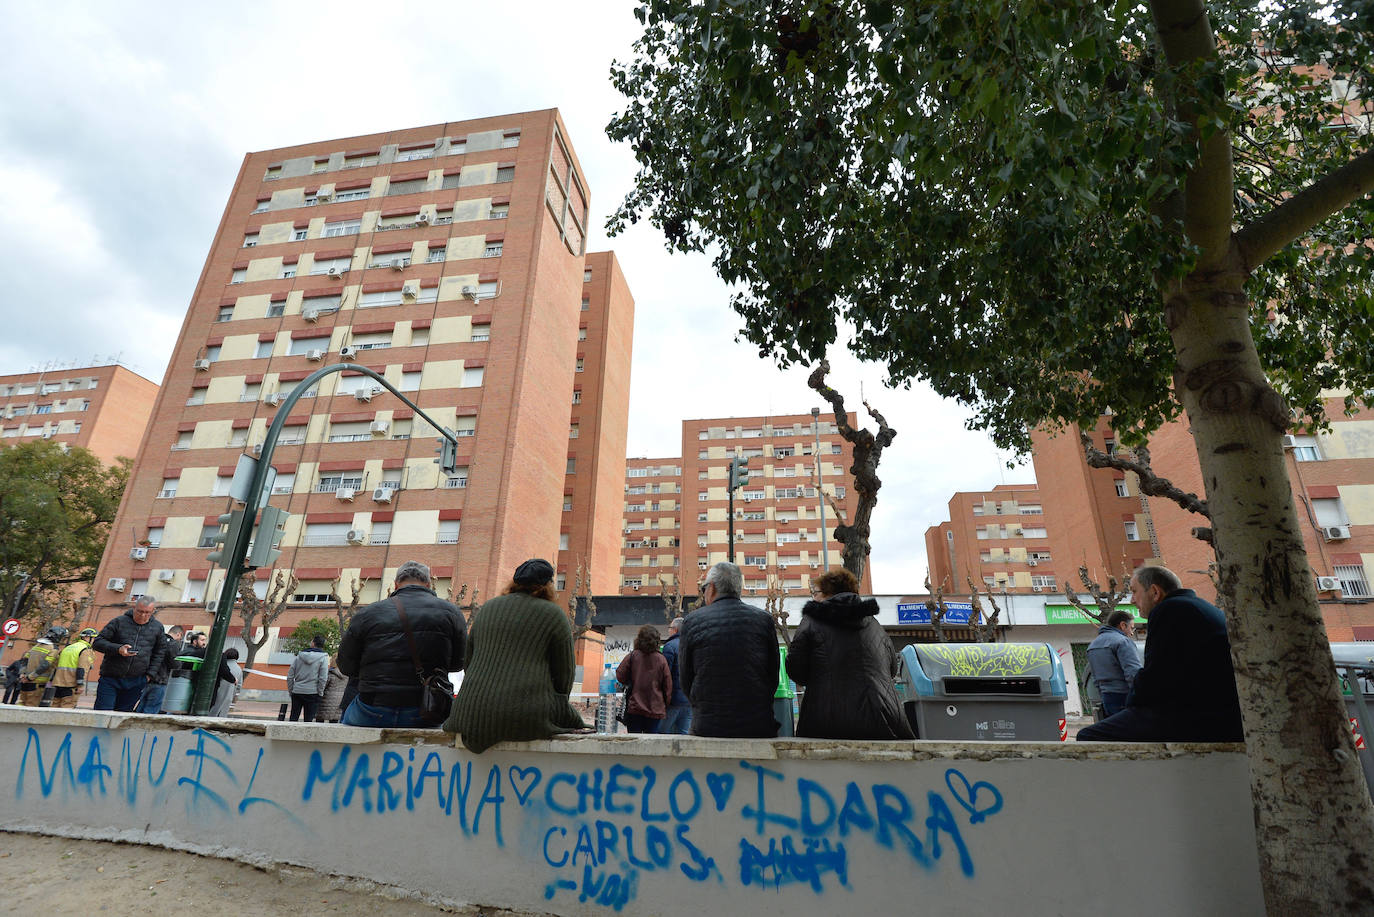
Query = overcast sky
x=124 y=126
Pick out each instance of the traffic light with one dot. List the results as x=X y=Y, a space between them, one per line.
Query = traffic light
x=271 y=528
x=739 y=471
x=226 y=537
x=448 y=454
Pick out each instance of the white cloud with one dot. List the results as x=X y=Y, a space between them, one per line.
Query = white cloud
x=125 y=125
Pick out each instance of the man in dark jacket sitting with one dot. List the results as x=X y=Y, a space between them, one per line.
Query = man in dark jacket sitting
x=133 y=645
x=375 y=650
x=1186 y=691
x=728 y=661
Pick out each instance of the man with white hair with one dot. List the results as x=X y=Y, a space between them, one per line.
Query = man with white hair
x=133 y=646
x=376 y=649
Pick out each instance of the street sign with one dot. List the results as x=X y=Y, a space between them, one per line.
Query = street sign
x=10 y=627
x=918 y=613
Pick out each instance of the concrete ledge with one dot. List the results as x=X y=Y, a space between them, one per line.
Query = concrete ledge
x=597 y=824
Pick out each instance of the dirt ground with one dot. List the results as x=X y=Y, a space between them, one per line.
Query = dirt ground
x=56 y=875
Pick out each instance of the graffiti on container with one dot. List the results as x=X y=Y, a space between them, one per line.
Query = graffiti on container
x=990 y=659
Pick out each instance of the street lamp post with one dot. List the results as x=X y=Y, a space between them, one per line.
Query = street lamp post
x=820 y=497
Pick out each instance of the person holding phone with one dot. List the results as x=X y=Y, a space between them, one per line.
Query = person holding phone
x=132 y=645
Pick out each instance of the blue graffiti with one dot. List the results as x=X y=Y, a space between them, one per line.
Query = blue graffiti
x=782 y=864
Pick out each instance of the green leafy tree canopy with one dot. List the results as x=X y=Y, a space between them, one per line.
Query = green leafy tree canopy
x=307 y=630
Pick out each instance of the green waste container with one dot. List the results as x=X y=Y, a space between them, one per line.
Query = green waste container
x=985 y=691
x=180 y=685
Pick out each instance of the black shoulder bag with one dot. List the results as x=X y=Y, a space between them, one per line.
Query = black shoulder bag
x=437 y=699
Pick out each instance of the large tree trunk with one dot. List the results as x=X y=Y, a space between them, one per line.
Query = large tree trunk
x=1313 y=818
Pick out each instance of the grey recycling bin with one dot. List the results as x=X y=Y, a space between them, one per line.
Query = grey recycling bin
x=985 y=691
x=180 y=685
x=1355 y=666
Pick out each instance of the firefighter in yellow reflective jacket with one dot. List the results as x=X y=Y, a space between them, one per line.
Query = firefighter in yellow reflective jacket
x=73 y=664
x=39 y=665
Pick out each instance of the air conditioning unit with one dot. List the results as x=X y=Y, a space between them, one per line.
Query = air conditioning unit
x=422 y=219
x=355 y=536
x=763 y=566
x=314 y=355
x=311 y=315
x=362 y=394
x=1032 y=563
x=115 y=584
x=166 y=576
x=323 y=195
x=815 y=566
x=399 y=264
x=348 y=351
x=1037 y=588
x=410 y=290
x=382 y=495
x=139 y=553
x=470 y=292
x=380 y=427
x=201 y=365
x=1336 y=532
x=345 y=494
x=273 y=399
x=1328 y=584
x=1290 y=441
x=337 y=272
x=257 y=448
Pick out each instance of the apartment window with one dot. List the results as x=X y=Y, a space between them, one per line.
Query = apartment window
x=413 y=155
x=360 y=162
x=572 y=466
x=581 y=363
x=567 y=504
x=1031 y=509
x=264 y=350
x=465 y=426
x=410 y=381
x=154 y=538
x=251 y=391
x=480 y=333
x=1330 y=512
x=1122 y=490
x=457 y=145
x=299 y=235
x=472 y=377
x=499 y=212
x=263 y=204
x=458 y=480
x=577 y=396
x=226 y=313
x=435 y=255
x=207 y=536
x=320 y=165
x=1305 y=449
x=324 y=534
x=586 y=304
x=360 y=431
x=587 y=276
x=1043 y=582
x=284 y=483
x=169 y=488
x=377 y=300
x=287 y=272
x=183 y=440
x=380 y=534
x=448 y=531
x=342 y=228
x=400 y=429
x=505 y=173
x=300 y=346
x=414 y=186
x=277 y=308
x=419 y=337
x=197 y=397
x=573 y=431
x=326 y=265
x=701 y=495
x=239 y=276
x=332 y=483
x=450 y=182
x=1132 y=532
x=355 y=194
x=493 y=250
x=1353 y=582
x=510 y=139
x=581 y=334
x=1034 y=532
x=250 y=240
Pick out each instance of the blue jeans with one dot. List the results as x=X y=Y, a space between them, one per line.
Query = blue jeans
x=151 y=701
x=361 y=714
x=1112 y=702
x=119 y=693
x=678 y=722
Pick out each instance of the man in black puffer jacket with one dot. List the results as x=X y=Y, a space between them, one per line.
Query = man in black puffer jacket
x=133 y=646
x=728 y=661
x=376 y=651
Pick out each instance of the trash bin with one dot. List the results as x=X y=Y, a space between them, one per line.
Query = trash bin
x=181 y=685
x=1355 y=666
x=985 y=691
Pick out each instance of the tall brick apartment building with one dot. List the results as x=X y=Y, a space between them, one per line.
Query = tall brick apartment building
x=101 y=408
x=449 y=258
x=1099 y=518
x=676 y=509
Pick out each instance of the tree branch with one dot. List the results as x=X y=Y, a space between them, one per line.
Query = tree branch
x=1268 y=234
x=1150 y=483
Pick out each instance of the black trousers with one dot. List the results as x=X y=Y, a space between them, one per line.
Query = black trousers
x=308 y=703
x=1154 y=724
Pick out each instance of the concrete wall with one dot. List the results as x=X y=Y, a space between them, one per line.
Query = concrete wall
x=659 y=825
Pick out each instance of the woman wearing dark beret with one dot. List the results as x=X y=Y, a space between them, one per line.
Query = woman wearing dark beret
x=519 y=668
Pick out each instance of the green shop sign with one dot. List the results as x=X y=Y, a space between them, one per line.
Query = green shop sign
x=1067 y=614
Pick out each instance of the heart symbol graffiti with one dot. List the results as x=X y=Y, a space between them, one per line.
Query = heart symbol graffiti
x=523 y=780
x=721 y=786
x=966 y=794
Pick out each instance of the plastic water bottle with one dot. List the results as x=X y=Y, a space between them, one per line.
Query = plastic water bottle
x=606 y=698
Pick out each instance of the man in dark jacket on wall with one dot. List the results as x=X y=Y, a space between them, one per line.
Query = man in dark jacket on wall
x=679 y=718
x=375 y=650
x=133 y=645
x=1186 y=691
x=728 y=661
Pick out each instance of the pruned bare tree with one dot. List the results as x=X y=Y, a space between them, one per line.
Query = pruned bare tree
x=346 y=607
x=935 y=604
x=671 y=593
x=258 y=615
x=1137 y=460
x=1104 y=600
x=581 y=597
x=984 y=626
x=773 y=604
x=56 y=606
x=868 y=451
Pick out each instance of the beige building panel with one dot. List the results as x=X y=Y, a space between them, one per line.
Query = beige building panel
x=449 y=329
x=295 y=525
x=315 y=229
x=475 y=209
x=442 y=374
x=254 y=306
x=272 y=233
x=403 y=335
x=225 y=388
x=462 y=248
x=1359 y=503
x=451 y=288
x=480 y=174
x=288 y=197
x=261 y=269
x=181 y=532
x=326 y=190
x=197 y=482
x=1352 y=439
x=421 y=474
x=486 y=140
x=239 y=347
x=414 y=527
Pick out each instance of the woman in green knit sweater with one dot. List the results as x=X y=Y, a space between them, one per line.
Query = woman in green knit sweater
x=519 y=667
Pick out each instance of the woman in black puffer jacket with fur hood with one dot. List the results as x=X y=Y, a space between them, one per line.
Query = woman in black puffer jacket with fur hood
x=844 y=658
